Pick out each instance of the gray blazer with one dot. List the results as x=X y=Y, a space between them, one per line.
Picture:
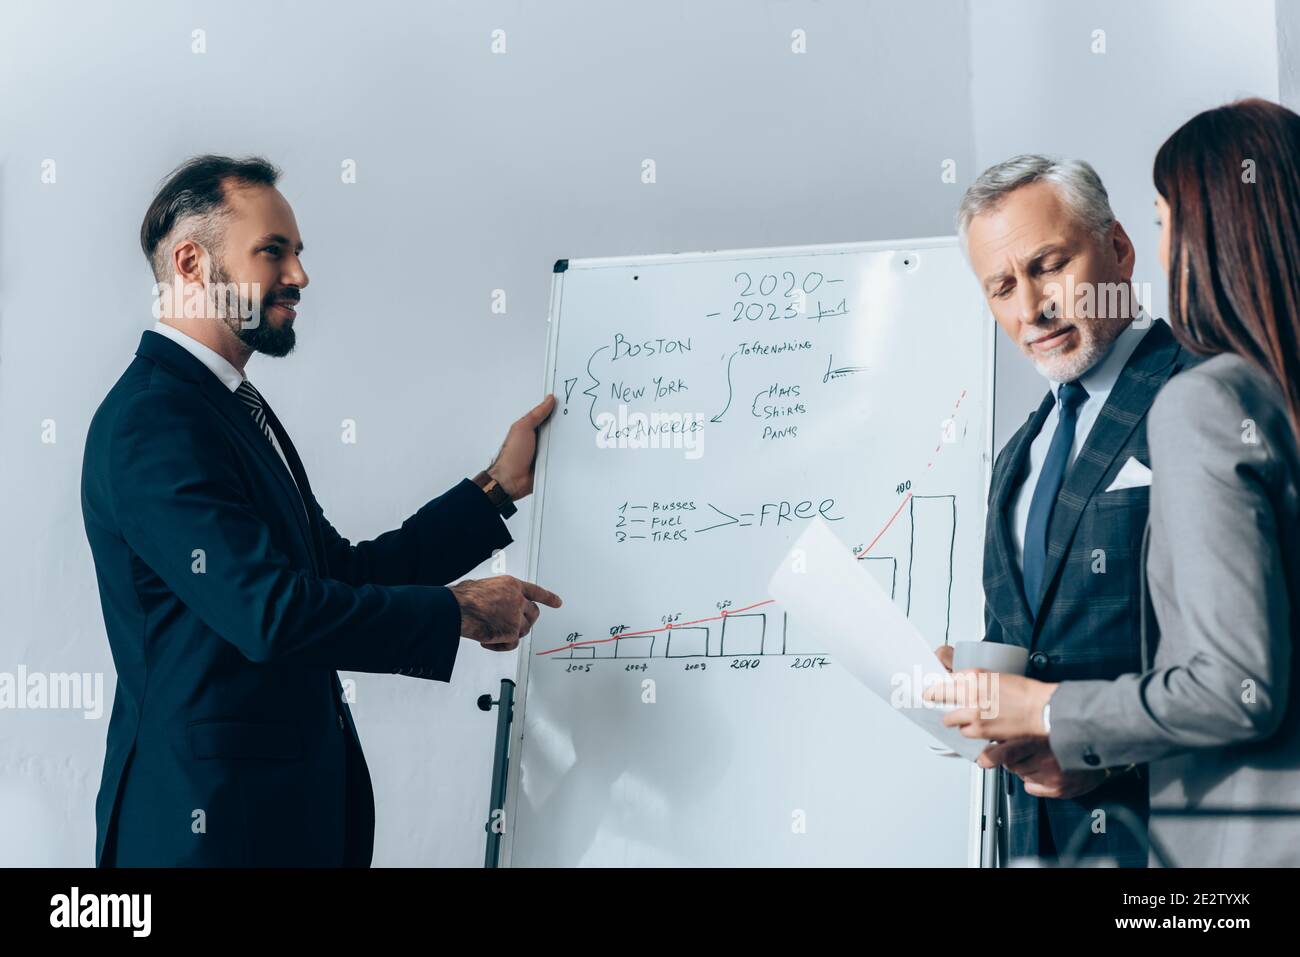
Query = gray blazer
x=1217 y=714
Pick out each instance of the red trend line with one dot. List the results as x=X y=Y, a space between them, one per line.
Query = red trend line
x=937 y=449
x=653 y=631
x=906 y=499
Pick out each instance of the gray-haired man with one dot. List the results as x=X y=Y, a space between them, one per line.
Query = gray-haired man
x=1062 y=548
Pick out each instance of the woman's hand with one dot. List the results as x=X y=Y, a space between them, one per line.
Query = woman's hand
x=993 y=705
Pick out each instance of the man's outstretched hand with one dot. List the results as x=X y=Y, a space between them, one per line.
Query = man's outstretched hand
x=497 y=612
x=513 y=466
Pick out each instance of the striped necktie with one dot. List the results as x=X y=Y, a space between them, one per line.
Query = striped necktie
x=257 y=409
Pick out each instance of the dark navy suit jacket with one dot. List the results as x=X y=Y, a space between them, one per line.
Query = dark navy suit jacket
x=229 y=609
x=1087 y=625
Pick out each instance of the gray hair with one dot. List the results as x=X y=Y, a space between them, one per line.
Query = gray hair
x=1078 y=184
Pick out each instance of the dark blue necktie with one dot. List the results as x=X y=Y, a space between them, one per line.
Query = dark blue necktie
x=1069 y=396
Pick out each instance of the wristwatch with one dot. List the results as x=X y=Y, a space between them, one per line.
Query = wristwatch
x=497 y=495
x=1047 y=718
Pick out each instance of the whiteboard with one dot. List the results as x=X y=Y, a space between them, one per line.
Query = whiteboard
x=709 y=406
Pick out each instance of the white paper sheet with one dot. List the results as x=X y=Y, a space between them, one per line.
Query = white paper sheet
x=827 y=593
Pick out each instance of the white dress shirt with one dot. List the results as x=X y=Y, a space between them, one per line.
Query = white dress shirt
x=230 y=376
x=1098 y=380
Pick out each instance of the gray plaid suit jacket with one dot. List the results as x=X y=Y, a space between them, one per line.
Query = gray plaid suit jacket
x=1087 y=625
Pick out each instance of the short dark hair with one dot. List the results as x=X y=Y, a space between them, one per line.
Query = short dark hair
x=196 y=188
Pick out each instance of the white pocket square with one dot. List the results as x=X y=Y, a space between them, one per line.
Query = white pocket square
x=1133 y=475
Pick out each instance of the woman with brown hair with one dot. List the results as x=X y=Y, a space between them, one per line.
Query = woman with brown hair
x=1216 y=717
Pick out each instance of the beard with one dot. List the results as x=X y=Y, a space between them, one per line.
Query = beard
x=1095 y=339
x=263 y=337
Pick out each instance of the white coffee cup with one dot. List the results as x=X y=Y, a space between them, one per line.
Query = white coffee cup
x=989 y=656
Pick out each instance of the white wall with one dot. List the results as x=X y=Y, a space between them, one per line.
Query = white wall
x=1288 y=53
x=476 y=172
x=1038 y=88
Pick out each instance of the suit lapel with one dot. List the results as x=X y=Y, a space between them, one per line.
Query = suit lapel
x=1135 y=389
x=163 y=350
x=1008 y=599
x=300 y=475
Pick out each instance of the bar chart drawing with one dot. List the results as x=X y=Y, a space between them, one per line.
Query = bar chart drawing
x=633 y=646
x=920 y=544
x=933 y=537
x=742 y=634
x=884 y=568
x=686 y=642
